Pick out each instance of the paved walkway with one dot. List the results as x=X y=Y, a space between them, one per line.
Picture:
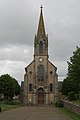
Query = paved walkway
x=34 y=113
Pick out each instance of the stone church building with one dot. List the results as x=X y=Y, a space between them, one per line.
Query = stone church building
x=40 y=84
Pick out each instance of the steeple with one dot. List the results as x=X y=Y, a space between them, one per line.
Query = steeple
x=41 y=28
x=41 y=39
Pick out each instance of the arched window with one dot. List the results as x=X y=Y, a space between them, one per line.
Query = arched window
x=30 y=87
x=41 y=47
x=51 y=87
x=40 y=73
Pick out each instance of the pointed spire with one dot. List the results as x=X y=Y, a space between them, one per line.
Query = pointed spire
x=41 y=28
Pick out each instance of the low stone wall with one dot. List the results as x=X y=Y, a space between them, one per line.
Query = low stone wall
x=71 y=106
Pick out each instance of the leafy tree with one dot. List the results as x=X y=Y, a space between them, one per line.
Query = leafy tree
x=16 y=87
x=66 y=86
x=9 y=86
x=72 y=82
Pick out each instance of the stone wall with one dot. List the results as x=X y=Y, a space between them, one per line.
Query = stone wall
x=71 y=106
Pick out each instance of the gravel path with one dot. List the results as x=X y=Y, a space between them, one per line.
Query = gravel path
x=34 y=113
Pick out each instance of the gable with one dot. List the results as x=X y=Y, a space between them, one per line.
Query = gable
x=30 y=67
x=52 y=65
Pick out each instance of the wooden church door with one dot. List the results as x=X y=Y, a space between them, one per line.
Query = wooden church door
x=41 y=96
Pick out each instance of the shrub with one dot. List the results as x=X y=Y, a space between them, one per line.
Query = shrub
x=59 y=103
x=71 y=96
x=14 y=102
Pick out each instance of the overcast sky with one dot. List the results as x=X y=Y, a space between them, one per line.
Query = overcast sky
x=18 y=26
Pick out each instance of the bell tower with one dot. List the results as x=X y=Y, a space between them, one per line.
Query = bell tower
x=41 y=54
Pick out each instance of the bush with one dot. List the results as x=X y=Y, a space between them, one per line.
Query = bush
x=71 y=96
x=59 y=103
x=14 y=102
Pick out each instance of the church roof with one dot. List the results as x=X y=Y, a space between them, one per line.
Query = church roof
x=52 y=64
x=29 y=65
x=41 y=28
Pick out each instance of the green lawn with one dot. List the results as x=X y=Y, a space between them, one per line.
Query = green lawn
x=73 y=115
x=77 y=102
x=4 y=106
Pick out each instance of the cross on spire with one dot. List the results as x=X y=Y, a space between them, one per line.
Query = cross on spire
x=41 y=28
x=41 y=7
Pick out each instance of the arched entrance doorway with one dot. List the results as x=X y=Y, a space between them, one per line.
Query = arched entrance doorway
x=40 y=96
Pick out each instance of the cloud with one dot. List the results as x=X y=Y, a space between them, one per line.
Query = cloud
x=15 y=25
x=14 y=68
x=17 y=53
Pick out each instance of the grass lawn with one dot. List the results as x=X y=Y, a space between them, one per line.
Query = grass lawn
x=4 y=106
x=73 y=115
x=77 y=102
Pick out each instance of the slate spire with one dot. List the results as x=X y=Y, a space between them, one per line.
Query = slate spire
x=41 y=28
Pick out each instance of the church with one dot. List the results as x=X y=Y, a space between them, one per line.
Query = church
x=40 y=85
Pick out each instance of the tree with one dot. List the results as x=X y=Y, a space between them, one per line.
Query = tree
x=66 y=86
x=16 y=87
x=72 y=81
x=9 y=86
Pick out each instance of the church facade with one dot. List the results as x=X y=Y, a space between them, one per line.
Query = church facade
x=40 y=84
